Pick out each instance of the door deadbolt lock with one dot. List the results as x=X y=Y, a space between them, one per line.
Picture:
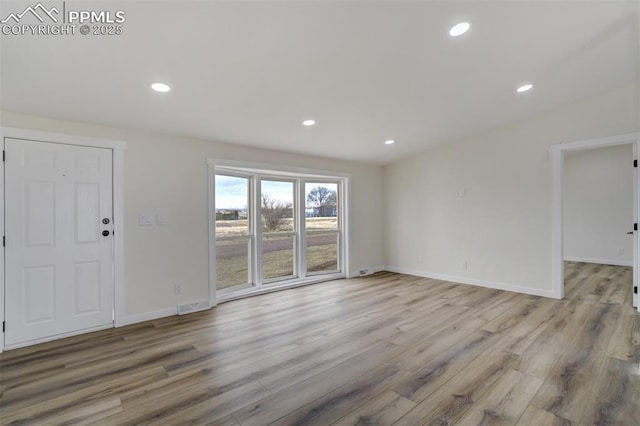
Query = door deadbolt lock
x=106 y=220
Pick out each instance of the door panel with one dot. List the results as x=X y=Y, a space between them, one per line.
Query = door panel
x=86 y=287
x=38 y=294
x=59 y=266
x=39 y=213
x=87 y=213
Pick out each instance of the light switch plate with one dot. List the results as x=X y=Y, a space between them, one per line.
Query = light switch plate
x=145 y=219
x=160 y=219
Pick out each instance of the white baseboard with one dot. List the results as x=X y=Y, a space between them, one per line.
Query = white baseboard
x=58 y=336
x=369 y=271
x=147 y=316
x=192 y=307
x=599 y=261
x=474 y=281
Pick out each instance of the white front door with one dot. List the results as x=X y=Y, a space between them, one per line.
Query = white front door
x=59 y=240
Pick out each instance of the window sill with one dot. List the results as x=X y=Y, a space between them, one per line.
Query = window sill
x=268 y=288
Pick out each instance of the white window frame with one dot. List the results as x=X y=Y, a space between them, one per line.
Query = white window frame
x=295 y=234
x=338 y=231
x=250 y=237
x=283 y=173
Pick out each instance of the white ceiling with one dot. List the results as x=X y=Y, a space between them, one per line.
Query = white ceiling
x=250 y=72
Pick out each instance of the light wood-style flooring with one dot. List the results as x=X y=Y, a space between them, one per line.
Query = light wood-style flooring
x=386 y=349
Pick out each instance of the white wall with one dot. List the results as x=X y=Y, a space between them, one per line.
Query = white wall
x=598 y=205
x=168 y=174
x=501 y=227
x=487 y=199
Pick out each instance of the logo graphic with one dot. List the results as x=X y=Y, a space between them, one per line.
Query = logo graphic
x=34 y=11
x=40 y=20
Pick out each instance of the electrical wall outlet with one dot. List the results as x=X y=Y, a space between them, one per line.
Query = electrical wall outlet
x=177 y=288
x=464 y=265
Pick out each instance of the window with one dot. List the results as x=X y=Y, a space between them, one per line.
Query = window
x=276 y=228
x=322 y=226
x=233 y=231
x=277 y=204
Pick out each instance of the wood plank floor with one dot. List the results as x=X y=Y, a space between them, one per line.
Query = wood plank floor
x=386 y=349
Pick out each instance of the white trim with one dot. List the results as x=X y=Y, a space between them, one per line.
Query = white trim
x=636 y=239
x=211 y=214
x=38 y=136
x=345 y=256
x=258 y=171
x=117 y=148
x=148 y=316
x=59 y=336
x=557 y=263
x=596 y=143
x=599 y=261
x=557 y=158
x=118 y=237
x=255 y=291
x=256 y=274
x=2 y=255
x=277 y=169
x=370 y=271
x=301 y=258
x=187 y=308
x=473 y=281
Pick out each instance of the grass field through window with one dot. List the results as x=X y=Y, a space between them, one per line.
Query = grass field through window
x=232 y=255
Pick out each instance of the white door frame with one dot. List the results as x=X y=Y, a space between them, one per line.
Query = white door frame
x=557 y=160
x=118 y=148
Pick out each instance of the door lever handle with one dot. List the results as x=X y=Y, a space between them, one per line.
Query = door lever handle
x=630 y=233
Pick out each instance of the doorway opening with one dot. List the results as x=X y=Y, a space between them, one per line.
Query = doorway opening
x=559 y=155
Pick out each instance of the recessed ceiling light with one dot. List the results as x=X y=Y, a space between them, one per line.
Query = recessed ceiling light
x=525 y=87
x=308 y=122
x=389 y=142
x=160 y=87
x=459 y=29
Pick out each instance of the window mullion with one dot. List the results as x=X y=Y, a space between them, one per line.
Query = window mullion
x=302 y=237
x=257 y=223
